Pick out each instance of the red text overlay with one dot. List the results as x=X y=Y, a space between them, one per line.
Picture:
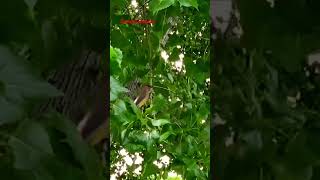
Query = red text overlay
x=137 y=21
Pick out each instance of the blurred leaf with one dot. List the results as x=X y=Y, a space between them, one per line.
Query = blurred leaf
x=11 y=31
x=283 y=172
x=19 y=85
x=170 y=77
x=189 y=3
x=179 y=99
x=158 y=5
x=33 y=153
x=160 y=122
x=30 y=3
x=159 y=102
x=30 y=145
x=83 y=153
x=116 y=89
x=165 y=135
x=115 y=59
x=119 y=107
x=254 y=139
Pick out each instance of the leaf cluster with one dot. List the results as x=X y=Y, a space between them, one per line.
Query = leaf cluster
x=262 y=92
x=175 y=122
x=37 y=37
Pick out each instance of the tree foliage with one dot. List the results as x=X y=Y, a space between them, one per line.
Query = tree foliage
x=37 y=37
x=175 y=123
x=263 y=93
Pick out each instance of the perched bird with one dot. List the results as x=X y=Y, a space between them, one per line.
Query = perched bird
x=94 y=126
x=144 y=96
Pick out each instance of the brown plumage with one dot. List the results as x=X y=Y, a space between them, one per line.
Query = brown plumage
x=143 y=96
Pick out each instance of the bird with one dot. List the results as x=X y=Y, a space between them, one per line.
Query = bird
x=144 y=96
x=94 y=126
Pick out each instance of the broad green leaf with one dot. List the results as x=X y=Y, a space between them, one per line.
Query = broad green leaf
x=30 y=145
x=115 y=60
x=158 y=5
x=30 y=3
x=50 y=37
x=18 y=86
x=9 y=112
x=117 y=6
x=159 y=103
x=146 y=127
x=139 y=136
x=135 y=147
x=116 y=89
x=18 y=26
x=188 y=105
x=123 y=133
x=254 y=139
x=160 y=122
x=170 y=77
x=8 y=172
x=119 y=107
x=33 y=153
x=83 y=153
x=154 y=134
x=136 y=110
x=283 y=171
x=188 y=3
x=203 y=112
x=165 y=135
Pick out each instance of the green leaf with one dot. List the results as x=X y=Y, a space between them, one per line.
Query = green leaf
x=30 y=3
x=33 y=153
x=159 y=103
x=82 y=152
x=160 y=122
x=165 y=135
x=123 y=134
x=254 y=139
x=116 y=55
x=170 y=77
x=9 y=112
x=119 y=107
x=283 y=171
x=203 y=112
x=49 y=37
x=19 y=85
x=188 y=105
x=116 y=89
x=115 y=60
x=135 y=147
x=154 y=134
x=135 y=109
x=150 y=126
x=30 y=145
x=158 y=5
x=188 y=3
x=18 y=26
